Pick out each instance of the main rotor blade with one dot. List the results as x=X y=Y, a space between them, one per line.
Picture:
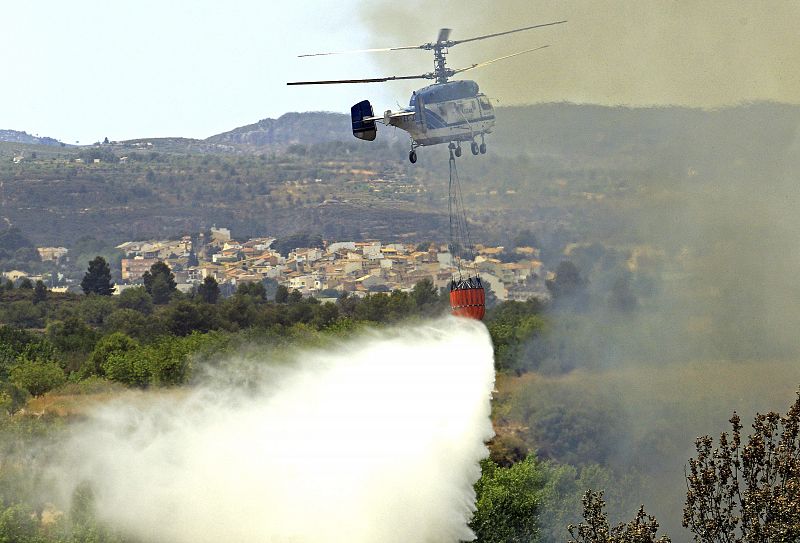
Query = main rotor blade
x=456 y=42
x=361 y=51
x=482 y=64
x=371 y=80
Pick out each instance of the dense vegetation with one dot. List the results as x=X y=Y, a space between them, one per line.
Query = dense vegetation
x=153 y=336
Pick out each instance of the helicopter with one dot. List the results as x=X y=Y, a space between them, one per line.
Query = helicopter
x=445 y=112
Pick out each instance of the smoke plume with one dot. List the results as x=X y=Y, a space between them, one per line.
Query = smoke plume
x=690 y=53
x=375 y=439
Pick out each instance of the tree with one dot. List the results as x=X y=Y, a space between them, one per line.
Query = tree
x=130 y=367
x=508 y=502
x=512 y=325
x=98 y=278
x=325 y=315
x=747 y=493
x=425 y=294
x=567 y=280
x=525 y=238
x=136 y=298
x=240 y=311
x=94 y=310
x=39 y=292
x=36 y=376
x=111 y=344
x=642 y=529
x=347 y=304
x=184 y=317
x=568 y=287
x=159 y=282
x=26 y=283
x=281 y=295
x=12 y=398
x=72 y=335
x=134 y=324
x=256 y=290
x=208 y=291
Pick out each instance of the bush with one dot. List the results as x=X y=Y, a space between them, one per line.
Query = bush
x=130 y=368
x=512 y=325
x=111 y=344
x=18 y=524
x=94 y=309
x=134 y=324
x=575 y=425
x=72 y=336
x=136 y=298
x=37 y=377
x=508 y=502
x=167 y=362
x=23 y=314
x=12 y=398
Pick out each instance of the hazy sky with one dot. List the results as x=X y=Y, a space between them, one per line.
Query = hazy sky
x=86 y=69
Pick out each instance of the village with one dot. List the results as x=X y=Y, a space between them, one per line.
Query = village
x=341 y=266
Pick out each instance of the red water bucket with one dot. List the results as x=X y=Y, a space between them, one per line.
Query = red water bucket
x=467 y=301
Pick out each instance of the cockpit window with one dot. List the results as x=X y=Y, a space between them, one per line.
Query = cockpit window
x=485 y=103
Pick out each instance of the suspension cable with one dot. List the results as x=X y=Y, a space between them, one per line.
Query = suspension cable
x=460 y=240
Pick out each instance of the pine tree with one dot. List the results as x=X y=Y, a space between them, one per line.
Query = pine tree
x=39 y=292
x=160 y=282
x=209 y=290
x=98 y=278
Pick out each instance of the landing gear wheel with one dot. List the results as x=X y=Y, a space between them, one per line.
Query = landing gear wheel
x=474 y=147
x=458 y=151
x=412 y=156
x=483 y=148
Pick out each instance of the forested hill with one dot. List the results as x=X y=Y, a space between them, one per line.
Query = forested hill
x=576 y=165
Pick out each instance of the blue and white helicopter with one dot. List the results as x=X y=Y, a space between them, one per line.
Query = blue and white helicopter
x=444 y=112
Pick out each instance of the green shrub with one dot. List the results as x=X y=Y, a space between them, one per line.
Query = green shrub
x=166 y=362
x=113 y=343
x=36 y=376
x=130 y=368
x=18 y=524
x=508 y=502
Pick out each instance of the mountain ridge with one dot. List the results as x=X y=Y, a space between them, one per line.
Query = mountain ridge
x=18 y=136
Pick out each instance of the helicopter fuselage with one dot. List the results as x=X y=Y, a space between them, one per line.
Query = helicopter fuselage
x=443 y=113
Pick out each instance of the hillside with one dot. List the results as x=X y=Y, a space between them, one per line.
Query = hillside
x=15 y=136
x=305 y=128
x=565 y=171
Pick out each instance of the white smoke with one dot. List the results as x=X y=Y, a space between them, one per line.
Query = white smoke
x=378 y=439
